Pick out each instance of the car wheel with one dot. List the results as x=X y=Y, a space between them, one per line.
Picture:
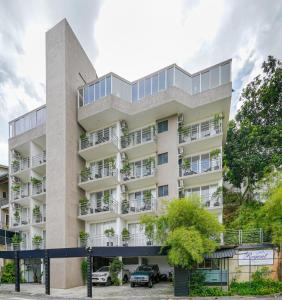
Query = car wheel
x=109 y=281
x=125 y=279
x=150 y=283
x=132 y=284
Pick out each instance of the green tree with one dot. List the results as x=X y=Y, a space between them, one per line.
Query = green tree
x=271 y=214
x=187 y=229
x=253 y=142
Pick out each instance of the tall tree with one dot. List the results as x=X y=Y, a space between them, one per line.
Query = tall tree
x=254 y=138
x=187 y=229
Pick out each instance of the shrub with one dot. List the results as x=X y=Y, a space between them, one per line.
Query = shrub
x=83 y=268
x=115 y=267
x=208 y=292
x=8 y=273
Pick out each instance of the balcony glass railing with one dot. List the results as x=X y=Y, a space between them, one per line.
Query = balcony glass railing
x=27 y=121
x=211 y=201
x=20 y=221
x=139 y=137
x=138 y=206
x=98 y=174
x=20 y=164
x=99 y=206
x=198 y=131
x=155 y=83
x=39 y=159
x=139 y=173
x=39 y=218
x=199 y=166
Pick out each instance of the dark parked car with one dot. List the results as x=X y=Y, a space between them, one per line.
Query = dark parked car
x=145 y=275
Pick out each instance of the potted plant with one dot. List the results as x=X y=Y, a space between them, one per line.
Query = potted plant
x=16 y=187
x=214 y=153
x=35 y=181
x=149 y=162
x=106 y=198
x=15 y=165
x=85 y=174
x=109 y=233
x=149 y=232
x=36 y=213
x=84 y=140
x=111 y=163
x=84 y=205
x=16 y=241
x=17 y=216
x=217 y=118
x=186 y=164
x=37 y=241
x=184 y=131
x=125 y=235
x=125 y=170
x=83 y=237
x=147 y=198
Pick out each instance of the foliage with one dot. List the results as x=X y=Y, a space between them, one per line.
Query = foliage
x=125 y=234
x=8 y=273
x=106 y=197
x=270 y=214
x=37 y=240
x=187 y=229
x=83 y=236
x=125 y=170
x=253 y=139
x=256 y=287
x=36 y=211
x=261 y=274
x=85 y=172
x=115 y=268
x=205 y=291
x=186 y=164
x=214 y=153
x=83 y=268
x=110 y=232
x=16 y=239
x=35 y=181
x=185 y=131
x=16 y=187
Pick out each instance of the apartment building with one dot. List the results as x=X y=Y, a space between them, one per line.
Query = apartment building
x=104 y=151
x=4 y=197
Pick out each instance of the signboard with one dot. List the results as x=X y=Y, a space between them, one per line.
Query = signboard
x=256 y=257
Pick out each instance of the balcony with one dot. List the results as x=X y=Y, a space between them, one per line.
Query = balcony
x=201 y=136
x=139 y=240
x=207 y=168
x=98 y=178
x=20 y=221
x=20 y=168
x=20 y=191
x=141 y=141
x=132 y=209
x=101 y=209
x=39 y=163
x=38 y=190
x=93 y=146
x=140 y=177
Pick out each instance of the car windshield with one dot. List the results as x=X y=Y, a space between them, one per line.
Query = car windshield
x=144 y=268
x=103 y=269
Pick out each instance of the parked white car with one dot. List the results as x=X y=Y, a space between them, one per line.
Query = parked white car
x=102 y=276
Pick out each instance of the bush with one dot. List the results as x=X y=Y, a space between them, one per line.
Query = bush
x=208 y=292
x=115 y=267
x=8 y=273
x=256 y=287
x=84 y=270
x=261 y=274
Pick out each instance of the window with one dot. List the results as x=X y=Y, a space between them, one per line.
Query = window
x=155 y=86
x=162 y=126
x=4 y=195
x=196 y=84
x=162 y=158
x=205 y=81
x=163 y=190
x=161 y=80
x=214 y=77
x=147 y=86
x=141 y=88
x=225 y=73
x=134 y=92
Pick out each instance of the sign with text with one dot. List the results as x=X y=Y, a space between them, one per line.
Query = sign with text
x=256 y=257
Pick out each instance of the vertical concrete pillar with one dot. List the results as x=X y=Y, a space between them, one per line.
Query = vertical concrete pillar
x=66 y=62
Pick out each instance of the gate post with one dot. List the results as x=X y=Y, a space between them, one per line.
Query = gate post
x=17 y=275
x=47 y=272
x=181 y=279
x=89 y=272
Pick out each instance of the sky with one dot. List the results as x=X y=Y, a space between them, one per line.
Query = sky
x=133 y=38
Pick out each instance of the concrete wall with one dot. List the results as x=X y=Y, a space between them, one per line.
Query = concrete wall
x=65 y=59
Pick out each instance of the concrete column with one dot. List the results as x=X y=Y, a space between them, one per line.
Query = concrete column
x=66 y=62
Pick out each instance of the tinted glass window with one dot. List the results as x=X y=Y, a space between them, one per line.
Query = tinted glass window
x=155 y=84
x=162 y=158
x=162 y=126
x=163 y=190
x=141 y=88
x=225 y=73
x=162 y=80
x=134 y=92
x=205 y=81
x=147 y=86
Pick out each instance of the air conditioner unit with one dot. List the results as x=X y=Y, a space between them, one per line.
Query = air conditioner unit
x=123 y=156
x=180 y=118
x=180 y=184
x=180 y=151
x=123 y=188
x=123 y=124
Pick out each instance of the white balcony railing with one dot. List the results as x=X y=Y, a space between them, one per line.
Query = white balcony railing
x=4 y=201
x=102 y=241
x=138 y=206
x=20 y=164
x=20 y=221
x=39 y=159
x=98 y=174
x=139 y=137
x=39 y=188
x=191 y=133
x=95 y=140
x=22 y=192
x=200 y=167
x=210 y=201
x=99 y=206
x=139 y=173
x=37 y=219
